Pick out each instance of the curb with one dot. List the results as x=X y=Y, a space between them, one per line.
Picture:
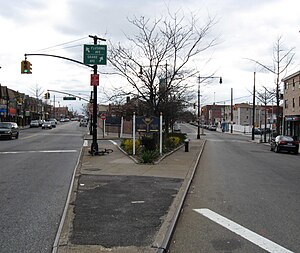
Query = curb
x=156 y=162
x=165 y=232
x=55 y=246
x=180 y=198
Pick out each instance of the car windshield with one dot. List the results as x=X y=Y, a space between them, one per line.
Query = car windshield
x=286 y=138
x=5 y=125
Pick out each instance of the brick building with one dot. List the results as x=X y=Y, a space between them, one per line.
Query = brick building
x=291 y=105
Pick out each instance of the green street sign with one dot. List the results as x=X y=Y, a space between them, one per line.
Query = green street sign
x=69 y=98
x=94 y=54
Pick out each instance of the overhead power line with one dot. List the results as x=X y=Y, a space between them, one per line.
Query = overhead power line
x=58 y=45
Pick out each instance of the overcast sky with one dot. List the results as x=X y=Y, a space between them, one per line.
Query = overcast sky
x=245 y=29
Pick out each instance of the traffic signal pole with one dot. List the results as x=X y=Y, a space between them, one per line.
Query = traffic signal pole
x=94 y=146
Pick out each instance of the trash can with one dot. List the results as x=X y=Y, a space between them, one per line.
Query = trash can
x=186 y=145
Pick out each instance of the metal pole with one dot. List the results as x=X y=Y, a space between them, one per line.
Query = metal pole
x=253 y=119
x=231 y=108
x=198 y=132
x=91 y=115
x=160 y=134
x=133 y=134
x=94 y=147
x=121 y=132
x=265 y=134
x=54 y=113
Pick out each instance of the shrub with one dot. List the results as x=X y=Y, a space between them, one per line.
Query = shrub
x=149 y=156
x=181 y=136
x=173 y=142
x=149 y=143
x=127 y=145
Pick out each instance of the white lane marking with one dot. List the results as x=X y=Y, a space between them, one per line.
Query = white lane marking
x=138 y=202
x=260 y=241
x=238 y=141
x=85 y=143
x=38 y=151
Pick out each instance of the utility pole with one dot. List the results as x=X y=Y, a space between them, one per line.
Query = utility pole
x=265 y=134
x=54 y=114
x=231 y=109
x=253 y=119
x=199 y=80
x=198 y=133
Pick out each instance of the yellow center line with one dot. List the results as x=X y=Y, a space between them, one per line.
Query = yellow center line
x=30 y=136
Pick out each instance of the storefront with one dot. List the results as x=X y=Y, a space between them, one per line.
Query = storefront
x=292 y=126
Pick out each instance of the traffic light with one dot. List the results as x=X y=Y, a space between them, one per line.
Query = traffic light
x=29 y=67
x=26 y=67
x=194 y=105
x=47 y=95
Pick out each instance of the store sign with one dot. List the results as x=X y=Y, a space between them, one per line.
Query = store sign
x=292 y=118
x=12 y=111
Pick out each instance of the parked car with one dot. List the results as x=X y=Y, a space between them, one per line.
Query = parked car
x=53 y=119
x=47 y=125
x=286 y=143
x=257 y=131
x=41 y=121
x=9 y=130
x=176 y=127
x=212 y=128
x=53 y=123
x=83 y=123
x=34 y=123
x=263 y=130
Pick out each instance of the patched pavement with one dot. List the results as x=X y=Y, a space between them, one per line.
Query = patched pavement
x=121 y=211
x=117 y=205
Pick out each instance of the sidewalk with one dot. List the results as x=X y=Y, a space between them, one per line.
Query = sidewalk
x=117 y=205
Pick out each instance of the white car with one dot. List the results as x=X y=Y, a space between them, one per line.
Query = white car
x=176 y=127
x=34 y=123
x=47 y=124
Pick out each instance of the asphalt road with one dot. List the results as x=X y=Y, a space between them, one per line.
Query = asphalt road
x=35 y=175
x=240 y=182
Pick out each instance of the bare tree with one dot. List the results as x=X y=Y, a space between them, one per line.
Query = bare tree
x=36 y=91
x=265 y=96
x=155 y=61
x=282 y=58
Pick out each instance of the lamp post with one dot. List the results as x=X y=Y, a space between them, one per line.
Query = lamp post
x=199 y=115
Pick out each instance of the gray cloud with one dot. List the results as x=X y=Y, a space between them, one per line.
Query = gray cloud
x=16 y=10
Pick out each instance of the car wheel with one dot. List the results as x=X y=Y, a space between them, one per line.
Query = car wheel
x=296 y=152
x=17 y=135
x=277 y=149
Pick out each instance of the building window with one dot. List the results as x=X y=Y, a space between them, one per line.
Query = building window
x=286 y=104
x=286 y=85
x=293 y=84
x=299 y=101
x=293 y=102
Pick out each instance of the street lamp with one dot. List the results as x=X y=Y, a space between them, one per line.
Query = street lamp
x=199 y=115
